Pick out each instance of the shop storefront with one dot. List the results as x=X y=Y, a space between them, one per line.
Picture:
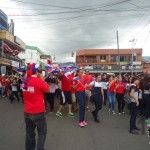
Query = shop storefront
x=10 y=47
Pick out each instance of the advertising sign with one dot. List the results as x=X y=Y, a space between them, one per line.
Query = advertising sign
x=3 y=20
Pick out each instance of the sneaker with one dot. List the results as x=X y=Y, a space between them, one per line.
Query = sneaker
x=87 y=108
x=51 y=111
x=59 y=114
x=136 y=128
x=71 y=115
x=85 y=123
x=109 y=110
x=113 y=112
x=123 y=112
x=133 y=132
x=81 y=124
x=93 y=114
x=97 y=121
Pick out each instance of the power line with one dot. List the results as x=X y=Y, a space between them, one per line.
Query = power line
x=102 y=5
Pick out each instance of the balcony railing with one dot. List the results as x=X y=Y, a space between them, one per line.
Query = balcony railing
x=8 y=36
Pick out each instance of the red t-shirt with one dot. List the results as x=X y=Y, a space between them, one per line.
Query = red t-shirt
x=120 y=87
x=34 y=96
x=112 y=87
x=66 y=82
x=88 y=79
x=3 y=81
x=81 y=85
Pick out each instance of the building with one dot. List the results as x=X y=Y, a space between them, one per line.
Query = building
x=10 y=47
x=33 y=54
x=146 y=64
x=106 y=60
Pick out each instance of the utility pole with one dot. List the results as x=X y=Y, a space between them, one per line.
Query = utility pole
x=133 y=43
x=118 y=53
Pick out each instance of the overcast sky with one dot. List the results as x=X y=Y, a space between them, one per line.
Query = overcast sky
x=59 y=27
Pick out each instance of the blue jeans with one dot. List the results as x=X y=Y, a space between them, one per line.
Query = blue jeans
x=111 y=98
x=2 y=90
x=34 y=121
x=81 y=99
x=133 y=113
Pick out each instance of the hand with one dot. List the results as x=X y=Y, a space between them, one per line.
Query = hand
x=86 y=85
x=40 y=75
x=137 y=103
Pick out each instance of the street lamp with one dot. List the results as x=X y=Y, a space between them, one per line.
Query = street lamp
x=133 y=43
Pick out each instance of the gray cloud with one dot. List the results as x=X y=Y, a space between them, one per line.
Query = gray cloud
x=61 y=26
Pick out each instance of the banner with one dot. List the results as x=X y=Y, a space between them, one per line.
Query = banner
x=15 y=64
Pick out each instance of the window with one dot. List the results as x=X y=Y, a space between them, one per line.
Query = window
x=102 y=57
x=105 y=57
x=123 y=58
x=113 y=58
x=23 y=52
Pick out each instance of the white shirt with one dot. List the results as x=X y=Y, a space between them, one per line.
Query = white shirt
x=96 y=84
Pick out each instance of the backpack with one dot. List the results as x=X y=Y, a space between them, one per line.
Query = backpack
x=127 y=97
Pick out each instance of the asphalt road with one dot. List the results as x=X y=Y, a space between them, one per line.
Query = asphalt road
x=65 y=134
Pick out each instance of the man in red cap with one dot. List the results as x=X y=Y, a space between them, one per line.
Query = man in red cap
x=34 y=108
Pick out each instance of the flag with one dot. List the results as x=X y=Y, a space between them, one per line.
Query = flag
x=20 y=70
x=63 y=96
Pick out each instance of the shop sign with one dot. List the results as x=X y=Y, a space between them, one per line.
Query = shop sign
x=109 y=67
x=3 y=69
x=136 y=62
x=123 y=63
x=88 y=67
x=15 y=63
x=45 y=57
x=17 y=40
x=123 y=67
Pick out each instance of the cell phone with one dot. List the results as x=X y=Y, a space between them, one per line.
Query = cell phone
x=43 y=72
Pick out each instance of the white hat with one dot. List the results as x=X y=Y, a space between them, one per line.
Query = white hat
x=3 y=74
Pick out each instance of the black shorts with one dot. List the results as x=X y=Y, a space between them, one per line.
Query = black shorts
x=68 y=97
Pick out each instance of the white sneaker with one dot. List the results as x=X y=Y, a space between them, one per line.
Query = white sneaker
x=109 y=110
x=113 y=112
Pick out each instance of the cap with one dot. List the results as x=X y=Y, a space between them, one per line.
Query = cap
x=86 y=70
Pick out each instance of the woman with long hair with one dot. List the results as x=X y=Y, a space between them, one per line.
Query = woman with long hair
x=79 y=86
x=111 y=94
x=120 y=89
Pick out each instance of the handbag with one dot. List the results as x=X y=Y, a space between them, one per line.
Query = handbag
x=92 y=93
x=127 y=98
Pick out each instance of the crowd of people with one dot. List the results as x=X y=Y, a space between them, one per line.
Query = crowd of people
x=38 y=93
x=75 y=89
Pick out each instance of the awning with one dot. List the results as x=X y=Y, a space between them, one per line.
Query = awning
x=7 y=48
x=16 y=52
